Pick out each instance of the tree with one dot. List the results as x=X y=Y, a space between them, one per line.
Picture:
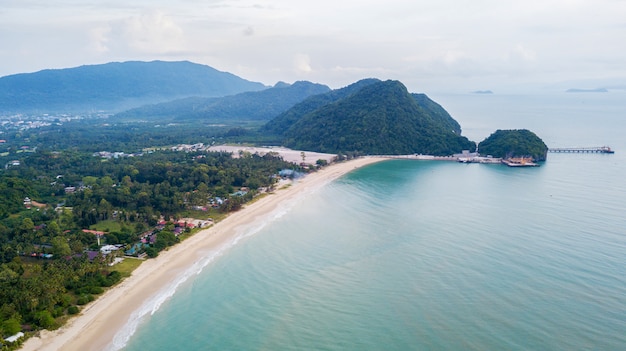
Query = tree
x=106 y=182
x=52 y=229
x=152 y=252
x=164 y=239
x=60 y=247
x=27 y=225
x=11 y=326
x=45 y=320
x=90 y=181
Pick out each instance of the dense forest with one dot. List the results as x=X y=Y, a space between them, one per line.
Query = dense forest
x=380 y=118
x=279 y=124
x=514 y=143
x=46 y=271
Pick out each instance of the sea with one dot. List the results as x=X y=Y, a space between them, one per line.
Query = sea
x=428 y=255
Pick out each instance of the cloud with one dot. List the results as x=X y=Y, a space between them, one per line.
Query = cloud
x=248 y=31
x=523 y=53
x=98 y=39
x=152 y=32
x=444 y=43
x=302 y=64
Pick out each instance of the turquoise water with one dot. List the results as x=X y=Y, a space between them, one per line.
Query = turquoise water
x=418 y=255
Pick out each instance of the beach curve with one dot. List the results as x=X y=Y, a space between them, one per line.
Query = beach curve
x=100 y=324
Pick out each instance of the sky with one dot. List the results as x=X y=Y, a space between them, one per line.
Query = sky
x=434 y=45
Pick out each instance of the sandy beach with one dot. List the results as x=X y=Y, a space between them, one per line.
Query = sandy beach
x=98 y=324
x=288 y=155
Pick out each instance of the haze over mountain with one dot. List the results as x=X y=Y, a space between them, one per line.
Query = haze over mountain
x=248 y=106
x=116 y=86
x=371 y=117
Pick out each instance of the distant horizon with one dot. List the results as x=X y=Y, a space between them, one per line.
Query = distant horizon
x=581 y=87
x=447 y=45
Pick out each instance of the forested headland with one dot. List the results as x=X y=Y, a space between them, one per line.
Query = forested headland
x=514 y=143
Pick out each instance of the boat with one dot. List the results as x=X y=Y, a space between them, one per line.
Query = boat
x=519 y=162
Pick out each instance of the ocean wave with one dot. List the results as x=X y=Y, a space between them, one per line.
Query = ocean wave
x=154 y=303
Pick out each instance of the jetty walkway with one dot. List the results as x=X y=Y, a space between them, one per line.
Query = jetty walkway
x=595 y=150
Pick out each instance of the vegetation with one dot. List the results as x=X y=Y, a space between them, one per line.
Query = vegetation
x=282 y=122
x=47 y=269
x=115 y=85
x=57 y=192
x=514 y=143
x=379 y=118
x=248 y=106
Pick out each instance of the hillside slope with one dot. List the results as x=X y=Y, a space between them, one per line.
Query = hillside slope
x=249 y=106
x=116 y=86
x=283 y=121
x=379 y=118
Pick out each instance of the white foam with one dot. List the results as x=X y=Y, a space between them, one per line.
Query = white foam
x=153 y=304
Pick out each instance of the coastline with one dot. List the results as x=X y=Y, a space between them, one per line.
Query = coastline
x=99 y=323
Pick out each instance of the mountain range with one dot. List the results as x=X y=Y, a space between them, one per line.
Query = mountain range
x=367 y=117
x=116 y=86
x=248 y=106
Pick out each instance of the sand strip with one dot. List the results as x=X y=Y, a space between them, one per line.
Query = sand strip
x=98 y=324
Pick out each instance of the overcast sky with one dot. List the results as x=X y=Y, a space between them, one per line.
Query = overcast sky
x=434 y=45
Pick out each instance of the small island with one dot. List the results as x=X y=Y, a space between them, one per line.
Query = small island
x=519 y=147
x=597 y=90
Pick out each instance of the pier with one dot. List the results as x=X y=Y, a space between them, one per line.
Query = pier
x=593 y=150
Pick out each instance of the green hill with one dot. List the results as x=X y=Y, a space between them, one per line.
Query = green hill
x=375 y=118
x=249 y=106
x=282 y=122
x=116 y=86
x=514 y=143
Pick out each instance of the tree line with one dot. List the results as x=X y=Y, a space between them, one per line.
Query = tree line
x=72 y=191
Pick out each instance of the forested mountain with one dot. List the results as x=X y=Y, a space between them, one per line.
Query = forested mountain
x=283 y=121
x=514 y=143
x=116 y=86
x=379 y=118
x=248 y=106
x=435 y=110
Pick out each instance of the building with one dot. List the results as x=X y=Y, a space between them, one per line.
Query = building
x=14 y=338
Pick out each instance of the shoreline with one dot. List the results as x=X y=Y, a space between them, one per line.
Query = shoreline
x=100 y=322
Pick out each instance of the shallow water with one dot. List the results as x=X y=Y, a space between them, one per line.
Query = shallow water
x=431 y=255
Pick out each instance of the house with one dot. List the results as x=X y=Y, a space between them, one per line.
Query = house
x=14 y=338
x=186 y=223
x=107 y=249
x=92 y=255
